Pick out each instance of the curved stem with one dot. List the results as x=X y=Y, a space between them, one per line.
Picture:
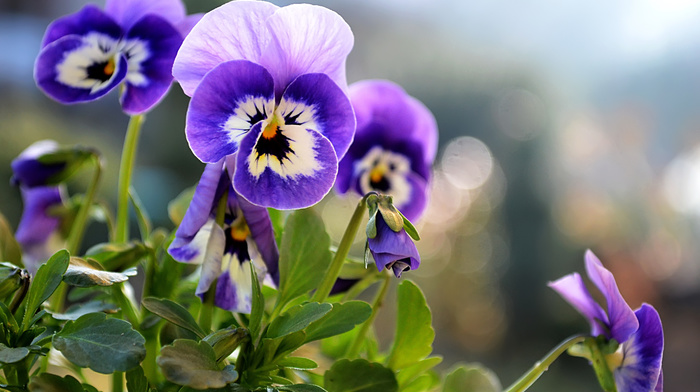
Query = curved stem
x=125 y=169
x=529 y=378
x=75 y=237
x=343 y=249
x=354 y=349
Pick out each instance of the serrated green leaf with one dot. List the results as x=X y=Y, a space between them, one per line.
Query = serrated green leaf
x=47 y=382
x=174 y=313
x=12 y=354
x=193 y=364
x=45 y=282
x=9 y=248
x=297 y=363
x=405 y=376
x=359 y=376
x=136 y=380
x=258 y=306
x=304 y=254
x=472 y=378
x=89 y=273
x=342 y=318
x=179 y=205
x=75 y=311
x=296 y=319
x=414 y=333
x=103 y=344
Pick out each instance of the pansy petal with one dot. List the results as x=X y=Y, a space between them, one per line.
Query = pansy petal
x=307 y=39
x=574 y=291
x=622 y=319
x=293 y=169
x=384 y=103
x=641 y=366
x=185 y=25
x=90 y=19
x=388 y=247
x=150 y=47
x=129 y=12
x=260 y=225
x=234 y=290
x=235 y=31
x=425 y=130
x=231 y=98
x=315 y=102
x=413 y=206
x=213 y=255
x=36 y=224
x=76 y=69
x=28 y=171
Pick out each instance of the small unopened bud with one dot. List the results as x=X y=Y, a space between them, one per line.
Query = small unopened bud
x=11 y=278
x=225 y=341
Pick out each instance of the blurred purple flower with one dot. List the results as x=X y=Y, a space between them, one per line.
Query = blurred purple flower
x=38 y=231
x=393 y=250
x=87 y=54
x=226 y=253
x=28 y=172
x=394 y=147
x=636 y=366
x=268 y=85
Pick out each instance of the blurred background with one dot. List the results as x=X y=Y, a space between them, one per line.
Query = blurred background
x=564 y=126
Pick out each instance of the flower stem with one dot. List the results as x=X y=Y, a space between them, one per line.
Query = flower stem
x=341 y=254
x=75 y=237
x=356 y=345
x=117 y=382
x=529 y=378
x=126 y=167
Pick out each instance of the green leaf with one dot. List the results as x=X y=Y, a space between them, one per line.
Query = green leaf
x=47 y=382
x=296 y=319
x=297 y=363
x=75 y=311
x=193 y=364
x=414 y=334
x=72 y=158
x=9 y=248
x=359 y=376
x=88 y=273
x=472 y=378
x=342 y=318
x=410 y=229
x=142 y=217
x=179 y=205
x=118 y=257
x=410 y=373
x=174 y=313
x=103 y=344
x=258 y=306
x=304 y=254
x=425 y=382
x=136 y=380
x=47 y=279
x=12 y=354
x=226 y=340
x=300 y=388
x=11 y=278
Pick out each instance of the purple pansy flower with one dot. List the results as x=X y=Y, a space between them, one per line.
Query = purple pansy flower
x=636 y=366
x=268 y=88
x=393 y=250
x=28 y=172
x=226 y=253
x=394 y=147
x=86 y=54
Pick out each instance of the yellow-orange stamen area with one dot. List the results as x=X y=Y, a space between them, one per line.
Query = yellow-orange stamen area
x=377 y=173
x=271 y=128
x=109 y=67
x=240 y=230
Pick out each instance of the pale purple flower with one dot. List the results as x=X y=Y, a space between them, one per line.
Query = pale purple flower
x=392 y=250
x=268 y=88
x=38 y=232
x=636 y=366
x=87 y=54
x=394 y=146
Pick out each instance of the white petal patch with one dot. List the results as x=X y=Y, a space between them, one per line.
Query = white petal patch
x=299 y=160
x=239 y=273
x=248 y=113
x=297 y=113
x=97 y=50
x=394 y=168
x=136 y=52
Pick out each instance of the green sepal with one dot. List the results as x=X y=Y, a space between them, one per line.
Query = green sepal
x=372 y=208
x=392 y=217
x=600 y=365
x=410 y=229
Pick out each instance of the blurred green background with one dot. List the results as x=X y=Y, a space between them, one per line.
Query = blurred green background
x=563 y=126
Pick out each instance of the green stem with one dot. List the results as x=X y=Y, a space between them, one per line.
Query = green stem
x=341 y=254
x=529 y=378
x=127 y=308
x=125 y=169
x=75 y=237
x=117 y=382
x=356 y=345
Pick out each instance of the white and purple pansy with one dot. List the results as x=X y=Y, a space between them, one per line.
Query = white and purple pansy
x=87 y=54
x=226 y=253
x=394 y=147
x=268 y=88
x=636 y=365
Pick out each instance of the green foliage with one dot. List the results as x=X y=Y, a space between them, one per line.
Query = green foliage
x=118 y=257
x=71 y=158
x=342 y=318
x=142 y=217
x=174 y=313
x=89 y=272
x=12 y=355
x=136 y=380
x=407 y=375
x=414 y=333
x=178 y=206
x=9 y=248
x=359 y=376
x=193 y=364
x=11 y=279
x=225 y=341
x=304 y=254
x=296 y=319
x=47 y=382
x=299 y=363
x=47 y=279
x=471 y=377
x=75 y=311
x=257 y=307
x=103 y=344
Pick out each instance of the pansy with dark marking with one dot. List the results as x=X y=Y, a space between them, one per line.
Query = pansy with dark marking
x=226 y=253
x=268 y=85
x=636 y=365
x=131 y=42
x=394 y=147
